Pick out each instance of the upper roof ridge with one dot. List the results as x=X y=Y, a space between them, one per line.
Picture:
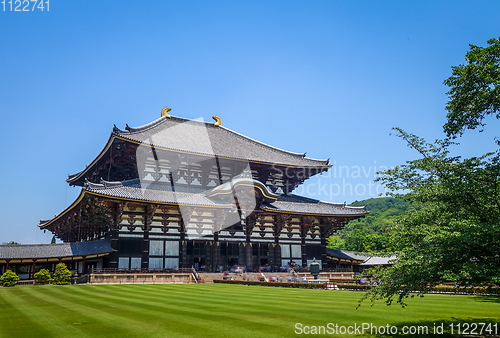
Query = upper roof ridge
x=301 y=155
x=133 y=130
x=340 y=204
x=360 y=208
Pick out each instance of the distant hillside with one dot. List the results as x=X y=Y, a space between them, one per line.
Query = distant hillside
x=371 y=233
x=383 y=212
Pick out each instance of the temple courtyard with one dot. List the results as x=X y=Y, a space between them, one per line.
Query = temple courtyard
x=218 y=310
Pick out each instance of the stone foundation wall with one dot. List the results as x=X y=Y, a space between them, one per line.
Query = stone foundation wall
x=208 y=277
x=141 y=278
x=329 y=275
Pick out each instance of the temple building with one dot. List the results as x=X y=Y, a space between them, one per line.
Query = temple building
x=180 y=193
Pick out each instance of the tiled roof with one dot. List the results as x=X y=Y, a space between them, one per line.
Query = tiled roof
x=205 y=138
x=304 y=205
x=360 y=256
x=366 y=258
x=377 y=260
x=162 y=193
x=154 y=192
x=54 y=250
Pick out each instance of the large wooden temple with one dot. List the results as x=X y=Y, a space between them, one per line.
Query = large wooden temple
x=180 y=193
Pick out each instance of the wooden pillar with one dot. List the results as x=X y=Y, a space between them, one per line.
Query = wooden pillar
x=216 y=252
x=184 y=254
x=270 y=250
x=303 y=252
x=33 y=269
x=248 y=226
x=248 y=247
x=324 y=262
x=278 y=224
x=241 y=254
x=183 y=248
x=218 y=170
x=216 y=256
x=248 y=254
x=258 y=253
x=208 y=256
x=277 y=253
x=7 y=267
x=304 y=228
x=147 y=220
x=145 y=251
x=83 y=266
x=113 y=256
x=114 y=237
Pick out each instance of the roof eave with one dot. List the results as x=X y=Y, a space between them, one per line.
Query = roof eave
x=73 y=178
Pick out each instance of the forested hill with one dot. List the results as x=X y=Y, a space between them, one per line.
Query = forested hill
x=371 y=233
x=383 y=212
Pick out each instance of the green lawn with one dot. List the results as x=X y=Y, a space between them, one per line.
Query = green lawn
x=215 y=310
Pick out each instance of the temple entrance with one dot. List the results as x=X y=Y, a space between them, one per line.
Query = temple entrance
x=231 y=262
x=199 y=264
x=89 y=266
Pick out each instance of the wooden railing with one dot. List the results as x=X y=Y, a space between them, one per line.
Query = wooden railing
x=300 y=269
x=116 y=270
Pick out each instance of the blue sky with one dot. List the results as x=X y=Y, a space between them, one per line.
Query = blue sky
x=330 y=78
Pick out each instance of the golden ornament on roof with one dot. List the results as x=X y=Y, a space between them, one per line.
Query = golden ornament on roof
x=218 y=121
x=164 y=111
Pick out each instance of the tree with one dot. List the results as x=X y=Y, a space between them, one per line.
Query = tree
x=371 y=233
x=454 y=232
x=62 y=275
x=475 y=89
x=335 y=242
x=42 y=276
x=9 y=278
x=11 y=243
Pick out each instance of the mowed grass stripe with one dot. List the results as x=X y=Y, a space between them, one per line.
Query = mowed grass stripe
x=74 y=313
x=225 y=302
x=182 y=316
x=209 y=300
x=338 y=311
x=210 y=310
x=18 y=315
x=113 y=317
x=333 y=311
x=192 y=310
x=134 y=316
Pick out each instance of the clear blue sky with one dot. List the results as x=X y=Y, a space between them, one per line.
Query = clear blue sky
x=330 y=78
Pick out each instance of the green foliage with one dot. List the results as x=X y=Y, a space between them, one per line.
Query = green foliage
x=9 y=278
x=383 y=213
x=43 y=276
x=62 y=275
x=335 y=242
x=454 y=232
x=373 y=232
x=11 y=243
x=475 y=89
